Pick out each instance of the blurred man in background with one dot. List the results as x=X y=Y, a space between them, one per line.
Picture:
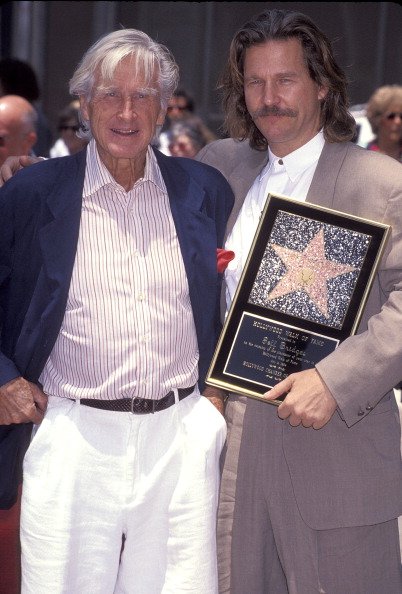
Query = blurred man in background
x=19 y=78
x=17 y=127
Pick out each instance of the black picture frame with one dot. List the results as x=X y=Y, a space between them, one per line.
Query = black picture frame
x=302 y=291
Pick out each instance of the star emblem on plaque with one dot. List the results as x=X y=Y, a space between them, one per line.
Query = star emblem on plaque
x=308 y=271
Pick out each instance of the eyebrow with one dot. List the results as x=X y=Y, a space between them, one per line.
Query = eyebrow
x=276 y=75
x=150 y=90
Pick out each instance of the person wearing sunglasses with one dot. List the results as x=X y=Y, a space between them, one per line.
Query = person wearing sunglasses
x=384 y=112
x=180 y=105
x=180 y=111
x=68 y=142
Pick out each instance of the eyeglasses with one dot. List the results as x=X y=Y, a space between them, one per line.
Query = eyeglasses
x=393 y=115
x=73 y=128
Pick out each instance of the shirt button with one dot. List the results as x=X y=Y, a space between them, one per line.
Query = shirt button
x=140 y=297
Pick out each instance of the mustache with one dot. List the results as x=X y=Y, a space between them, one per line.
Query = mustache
x=274 y=111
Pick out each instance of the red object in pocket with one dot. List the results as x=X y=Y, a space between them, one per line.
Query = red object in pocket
x=223 y=258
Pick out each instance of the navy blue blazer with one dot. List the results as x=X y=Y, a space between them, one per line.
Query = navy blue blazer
x=40 y=209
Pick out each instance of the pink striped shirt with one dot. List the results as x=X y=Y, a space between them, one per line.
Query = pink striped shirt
x=128 y=329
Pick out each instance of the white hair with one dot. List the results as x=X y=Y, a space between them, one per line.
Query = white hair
x=150 y=57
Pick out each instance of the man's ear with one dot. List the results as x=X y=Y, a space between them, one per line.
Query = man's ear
x=161 y=117
x=29 y=140
x=84 y=107
x=322 y=92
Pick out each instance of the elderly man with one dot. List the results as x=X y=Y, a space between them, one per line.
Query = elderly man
x=319 y=478
x=17 y=126
x=110 y=301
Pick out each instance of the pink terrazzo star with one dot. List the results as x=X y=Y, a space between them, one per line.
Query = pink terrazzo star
x=308 y=271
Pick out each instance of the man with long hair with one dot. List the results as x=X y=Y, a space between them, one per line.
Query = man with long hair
x=319 y=478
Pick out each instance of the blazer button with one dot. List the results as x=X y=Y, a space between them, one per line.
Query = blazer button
x=360 y=413
x=369 y=407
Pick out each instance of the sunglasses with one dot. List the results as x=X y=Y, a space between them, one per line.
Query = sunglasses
x=73 y=128
x=393 y=115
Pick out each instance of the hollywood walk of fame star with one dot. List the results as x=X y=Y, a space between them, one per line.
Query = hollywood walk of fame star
x=308 y=271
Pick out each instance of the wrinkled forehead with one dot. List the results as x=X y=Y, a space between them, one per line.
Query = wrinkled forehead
x=139 y=68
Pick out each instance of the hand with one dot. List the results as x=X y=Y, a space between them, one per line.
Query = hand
x=14 y=164
x=307 y=399
x=216 y=396
x=21 y=402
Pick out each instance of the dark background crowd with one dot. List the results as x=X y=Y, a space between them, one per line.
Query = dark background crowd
x=51 y=37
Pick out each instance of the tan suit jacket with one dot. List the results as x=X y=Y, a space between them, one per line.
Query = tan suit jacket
x=350 y=472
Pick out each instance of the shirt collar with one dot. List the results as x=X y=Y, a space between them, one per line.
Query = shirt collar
x=298 y=161
x=97 y=175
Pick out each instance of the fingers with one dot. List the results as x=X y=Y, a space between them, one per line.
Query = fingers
x=296 y=412
x=216 y=396
x=21 y=402
x=14 y=164
x=36 y=415
x=5 y=173
x=306 y=400
x=40 y=399
x=281 y=389
x=26 y=160
x=294 y=415
x=306 y=422
x=293 y=419
x=320 y=424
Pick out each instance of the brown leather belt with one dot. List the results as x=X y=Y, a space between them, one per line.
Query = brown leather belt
x=138 y=406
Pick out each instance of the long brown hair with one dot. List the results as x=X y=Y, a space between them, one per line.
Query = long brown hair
x=336 y=121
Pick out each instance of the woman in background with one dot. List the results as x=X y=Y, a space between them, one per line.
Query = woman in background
x=384 y=112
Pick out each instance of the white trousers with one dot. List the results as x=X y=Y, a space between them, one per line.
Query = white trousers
x=94 y=478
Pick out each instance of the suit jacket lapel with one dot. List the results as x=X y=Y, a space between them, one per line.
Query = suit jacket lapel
x=58 y=238
x=322 y=187
x=196 y=233
x=186 y=198
x=241 y=180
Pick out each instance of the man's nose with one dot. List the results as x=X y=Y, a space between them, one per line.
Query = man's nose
x=127 y=107
x=270 y=94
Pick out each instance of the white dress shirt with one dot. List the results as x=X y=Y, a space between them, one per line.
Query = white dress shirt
x=290 y=176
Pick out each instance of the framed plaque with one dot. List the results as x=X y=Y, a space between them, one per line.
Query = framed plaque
x=302 y=292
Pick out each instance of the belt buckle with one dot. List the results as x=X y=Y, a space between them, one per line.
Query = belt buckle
x=137 y=402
